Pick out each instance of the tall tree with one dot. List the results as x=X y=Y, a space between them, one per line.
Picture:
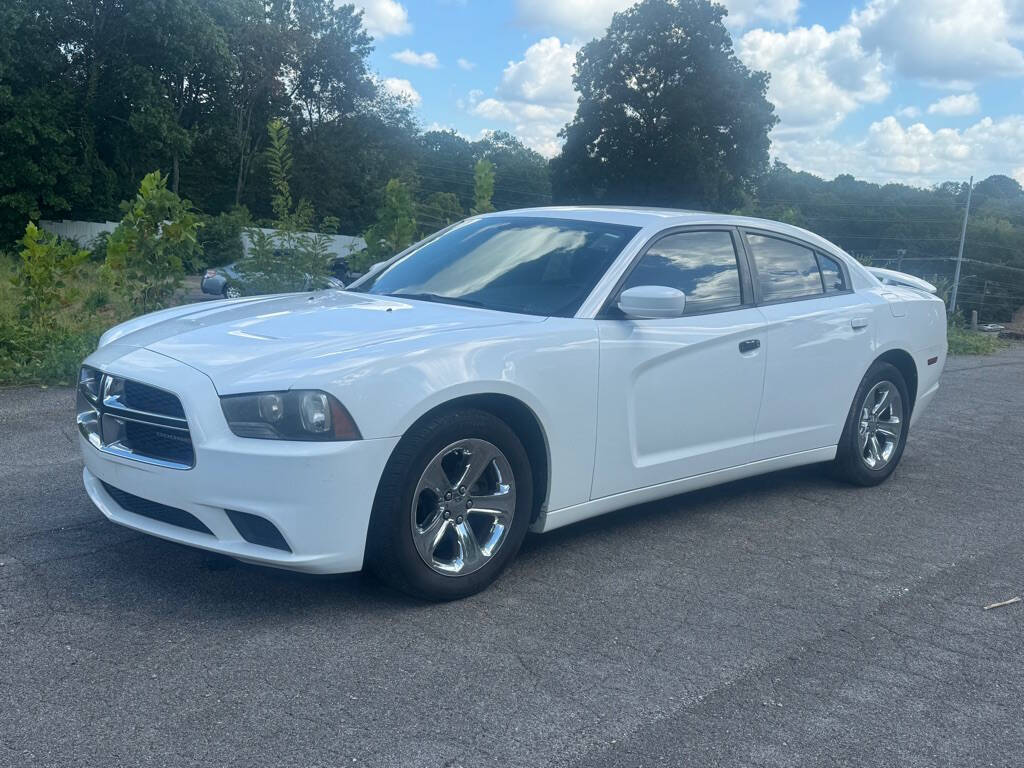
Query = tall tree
x=667 y=114
x=40 y=170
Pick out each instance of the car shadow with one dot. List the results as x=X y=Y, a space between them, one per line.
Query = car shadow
x=153 y=575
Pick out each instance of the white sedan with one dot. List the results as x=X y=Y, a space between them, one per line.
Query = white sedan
x=517 y=371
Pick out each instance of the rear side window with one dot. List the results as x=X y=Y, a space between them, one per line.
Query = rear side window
x=700 y=264
x=831 y=274
x=785 y=270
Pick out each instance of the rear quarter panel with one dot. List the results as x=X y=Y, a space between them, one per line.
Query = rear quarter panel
x=916 y=323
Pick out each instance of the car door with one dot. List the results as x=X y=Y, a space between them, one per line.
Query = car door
x=818 y=340
x=679 y=397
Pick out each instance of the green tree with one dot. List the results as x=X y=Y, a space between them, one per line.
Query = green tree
x=439 y=210
x=444 y=163
x=292 y=257
x=394 y=230
x=39 y=168
x=667 y=115
x=525 y=179
x=148 y=253
x=483 y=186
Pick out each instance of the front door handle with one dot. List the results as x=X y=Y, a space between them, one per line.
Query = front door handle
x=749 y=345
x=859 y=322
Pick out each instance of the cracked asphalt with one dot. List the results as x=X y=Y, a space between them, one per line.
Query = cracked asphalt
x=785 y=620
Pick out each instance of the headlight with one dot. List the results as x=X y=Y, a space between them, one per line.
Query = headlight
x=300 y=414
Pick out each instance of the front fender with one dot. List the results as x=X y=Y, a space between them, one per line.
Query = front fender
x=551 y=367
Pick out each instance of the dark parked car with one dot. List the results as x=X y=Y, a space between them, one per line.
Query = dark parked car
x=230 y=283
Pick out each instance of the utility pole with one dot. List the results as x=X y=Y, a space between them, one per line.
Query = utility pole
x=960 y=254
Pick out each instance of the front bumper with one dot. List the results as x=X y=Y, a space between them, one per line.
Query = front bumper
x=318 y=495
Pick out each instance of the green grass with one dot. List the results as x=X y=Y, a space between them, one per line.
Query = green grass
x=964 y=341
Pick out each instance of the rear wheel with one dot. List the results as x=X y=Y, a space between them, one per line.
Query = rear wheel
x=876 y=427
x=452 y=508
x=232 y=292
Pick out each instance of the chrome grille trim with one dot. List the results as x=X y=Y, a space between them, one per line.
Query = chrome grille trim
x=103 y=418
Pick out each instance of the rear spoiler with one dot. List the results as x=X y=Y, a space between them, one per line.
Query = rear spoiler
x=892 y=277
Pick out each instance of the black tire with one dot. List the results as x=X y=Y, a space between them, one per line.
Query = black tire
x=228 y=290
x=391 y=553
x=850 y=463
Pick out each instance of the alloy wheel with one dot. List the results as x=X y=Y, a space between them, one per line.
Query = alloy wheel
x=463 y=506
x=881 y=425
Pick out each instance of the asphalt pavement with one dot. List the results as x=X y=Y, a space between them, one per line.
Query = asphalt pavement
x=785 y=620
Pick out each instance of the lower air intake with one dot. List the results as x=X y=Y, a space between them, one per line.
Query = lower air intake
x=156 y=511
x=258 y=530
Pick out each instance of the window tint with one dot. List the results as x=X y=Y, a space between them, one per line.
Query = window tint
x=831 y=274
x=533 y=265
x=700 y=264
x=785 y=270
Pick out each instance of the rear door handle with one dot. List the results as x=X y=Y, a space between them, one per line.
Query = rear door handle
x=859 y=322
x=749 y=345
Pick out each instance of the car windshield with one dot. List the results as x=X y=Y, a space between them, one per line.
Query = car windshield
x=530 y=265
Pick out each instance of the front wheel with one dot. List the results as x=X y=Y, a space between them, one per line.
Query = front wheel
x=876 y=427
x=232 y=292
x=453 y=506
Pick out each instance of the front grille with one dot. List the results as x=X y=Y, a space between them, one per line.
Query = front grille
x=143 y=397
x=155 y=510
x=133 y=420
x=159 y=442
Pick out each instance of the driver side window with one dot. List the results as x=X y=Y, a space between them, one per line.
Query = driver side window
x=700 y=264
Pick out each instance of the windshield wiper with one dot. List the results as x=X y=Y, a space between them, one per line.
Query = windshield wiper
x=439 y=299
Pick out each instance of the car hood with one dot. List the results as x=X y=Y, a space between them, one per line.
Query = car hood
x=276 y=340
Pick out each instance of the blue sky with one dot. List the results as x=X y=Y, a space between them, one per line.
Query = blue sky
x=917 y=91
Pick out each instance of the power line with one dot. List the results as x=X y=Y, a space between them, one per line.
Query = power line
x=875 y=204
x=497 y=188
x=470 y=174
x=887 y=221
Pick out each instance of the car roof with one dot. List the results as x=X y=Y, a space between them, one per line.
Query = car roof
x=663 y=218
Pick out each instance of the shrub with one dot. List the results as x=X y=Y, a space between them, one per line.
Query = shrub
x=221 y=237
x=964 y=341
x=154 y=244
x=46 y=275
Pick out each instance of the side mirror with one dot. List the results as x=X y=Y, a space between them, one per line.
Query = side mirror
x=652 y=302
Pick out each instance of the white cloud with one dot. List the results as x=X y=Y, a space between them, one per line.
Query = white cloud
x=466 y=64
x=413 y=59
x=910 y=112
x=535 y=95
x=817 y=77
x=385 y=17
x=946 y=41
x=585 y=19
x=913 y=154
x=578 y=18
x=743 y=13
x=956 y=105
x=404 y=89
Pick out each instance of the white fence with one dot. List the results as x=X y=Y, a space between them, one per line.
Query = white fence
x=84 y=232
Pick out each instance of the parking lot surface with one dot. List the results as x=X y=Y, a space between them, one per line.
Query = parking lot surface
x=785 y=620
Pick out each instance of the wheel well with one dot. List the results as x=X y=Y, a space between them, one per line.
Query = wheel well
x=905 y=364
x=524 y=422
